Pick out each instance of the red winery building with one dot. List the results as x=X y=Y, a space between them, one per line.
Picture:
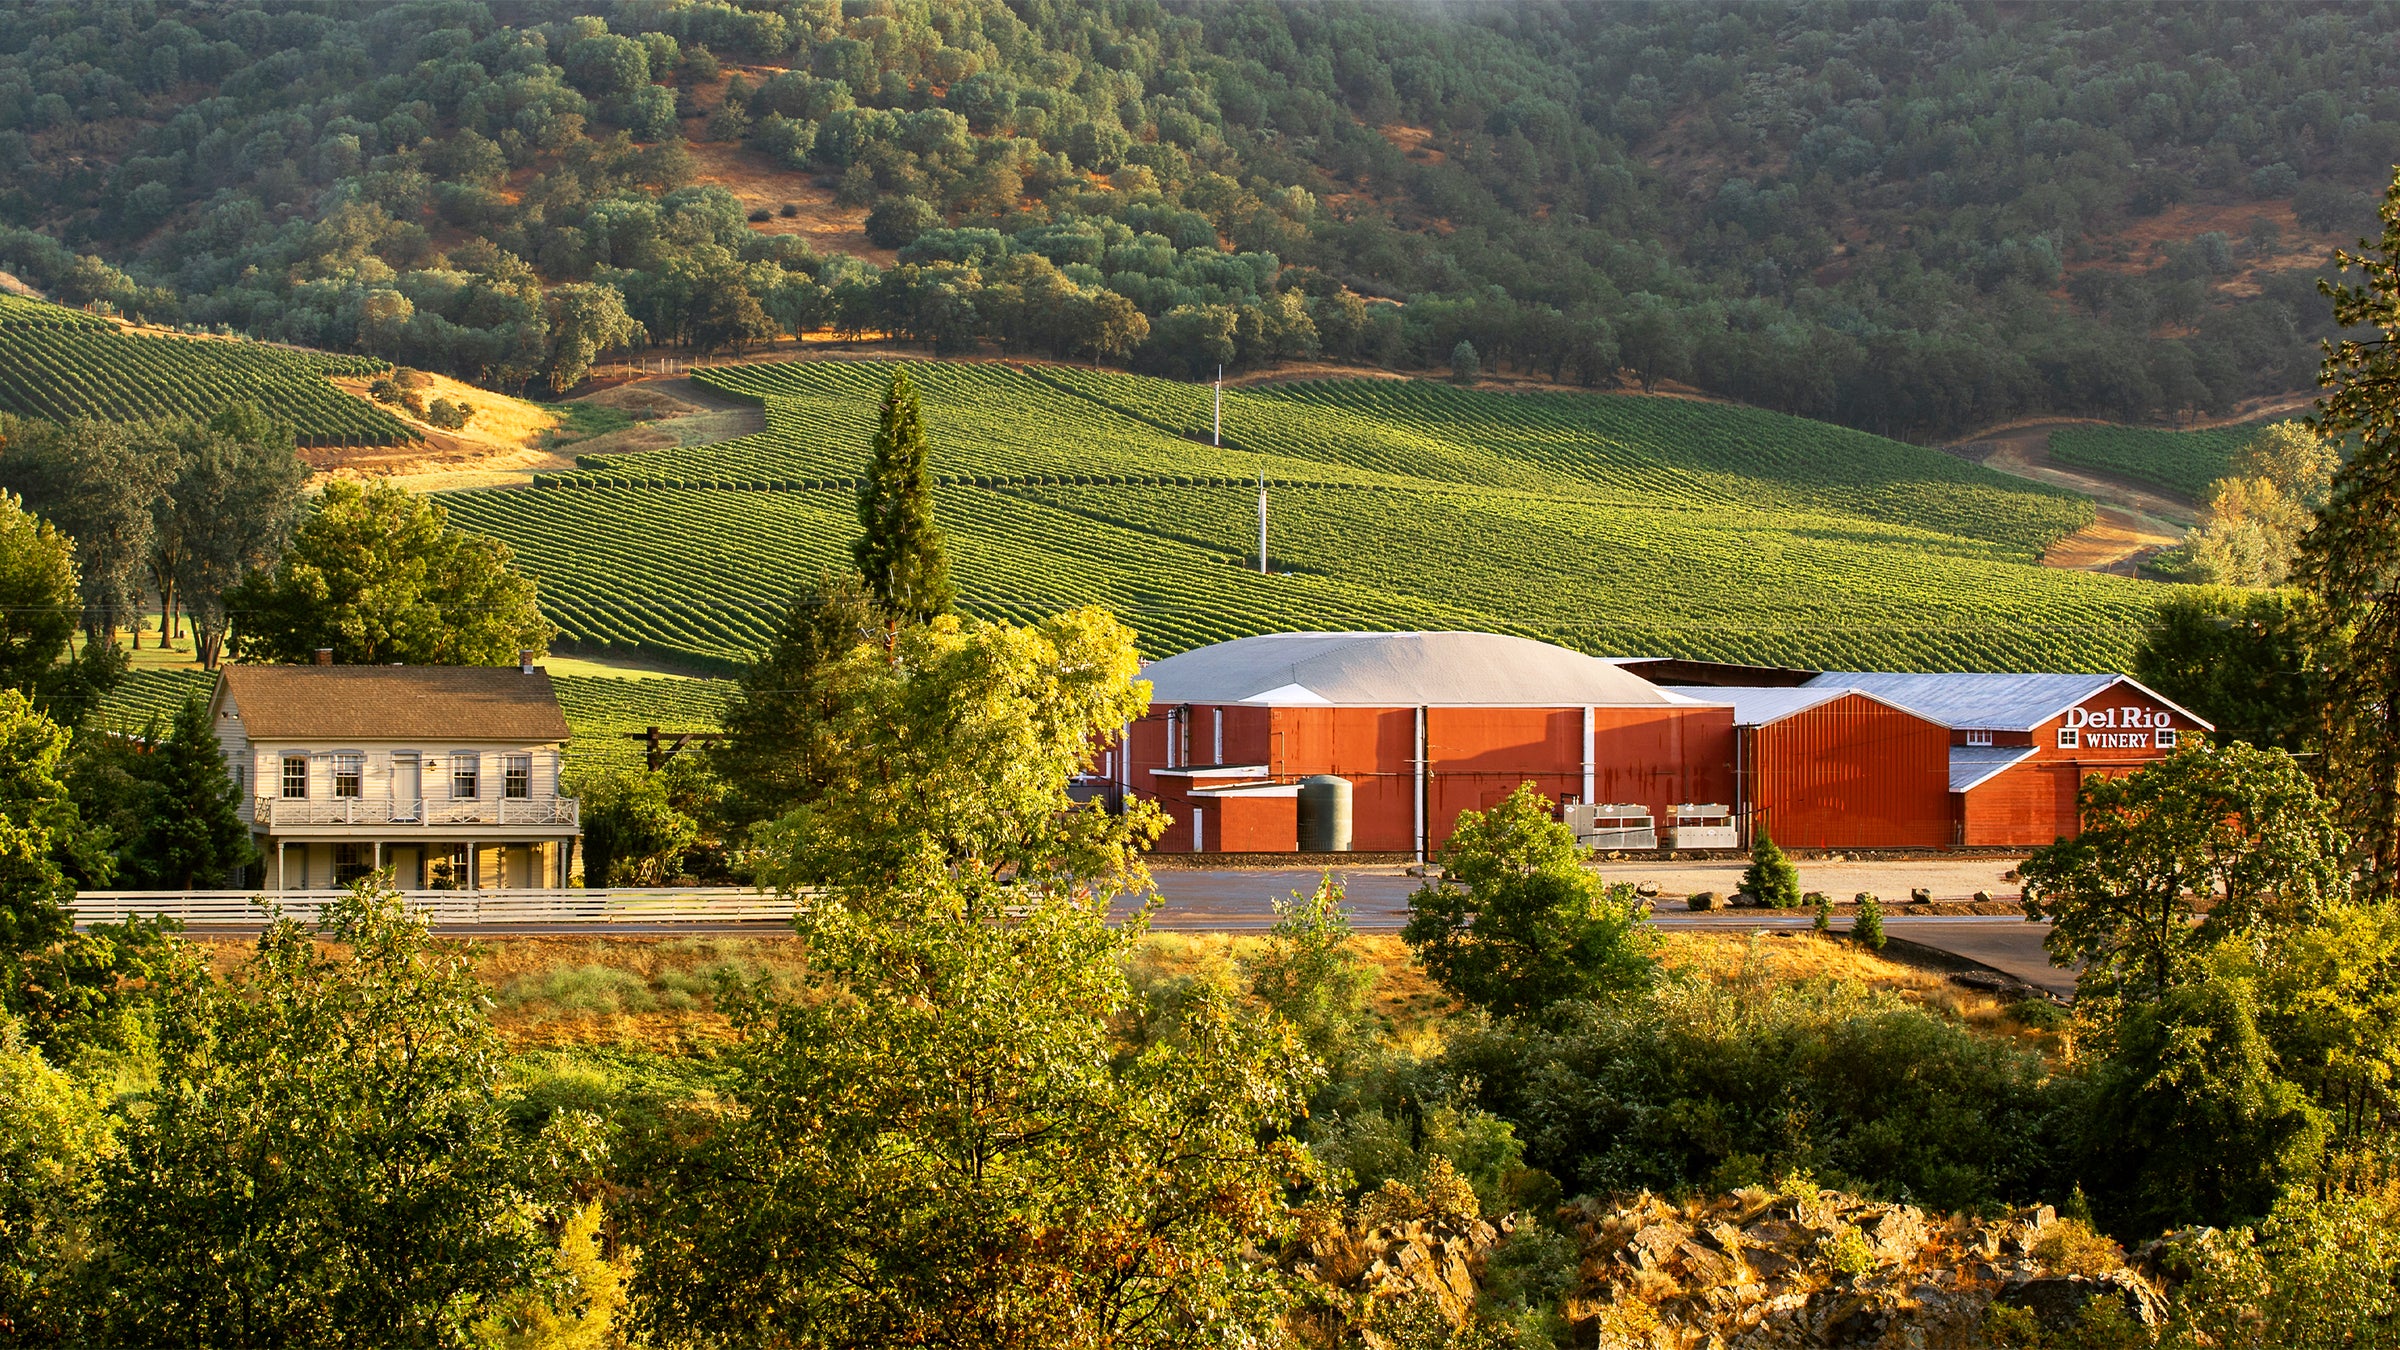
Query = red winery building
x=2020 y=745
x=1422 y=725
x=1837 y=768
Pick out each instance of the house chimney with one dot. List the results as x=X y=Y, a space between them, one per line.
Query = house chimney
x=524 y=660
x=324 y=656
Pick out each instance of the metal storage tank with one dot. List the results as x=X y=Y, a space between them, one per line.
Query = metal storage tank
x=1325 y=814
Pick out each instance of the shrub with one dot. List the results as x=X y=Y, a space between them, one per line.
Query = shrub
x=448 y=415
x=1771 y=876
x=1867 y=928
x=1824 y=906
x=760 y=216
x=790 y=209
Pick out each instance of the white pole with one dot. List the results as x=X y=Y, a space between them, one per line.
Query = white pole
x=1216 y=429
x=1262 y=522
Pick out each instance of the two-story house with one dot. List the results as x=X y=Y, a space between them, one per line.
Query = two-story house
x=448 y=775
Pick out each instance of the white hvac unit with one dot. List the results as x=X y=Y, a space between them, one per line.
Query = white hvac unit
x=1705 y=826
x=1612 y=825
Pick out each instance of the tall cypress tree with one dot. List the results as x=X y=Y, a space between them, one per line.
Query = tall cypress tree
x=197 y=840
x=901 y=556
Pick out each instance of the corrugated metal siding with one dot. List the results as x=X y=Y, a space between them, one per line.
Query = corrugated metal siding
x=2028 y=806
x=1851 y=773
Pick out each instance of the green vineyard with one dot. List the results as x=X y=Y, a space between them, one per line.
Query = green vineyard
x=603 y=712
x=2182 y=462
x=600 y=710
x=19 y=312
x=1613 y=524
x=76 y=366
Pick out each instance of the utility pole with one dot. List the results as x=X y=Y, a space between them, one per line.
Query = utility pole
x=1216 y=429
x=1262 y=522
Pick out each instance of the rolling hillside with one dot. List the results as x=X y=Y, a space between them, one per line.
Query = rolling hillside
x=1609 y=523
x=58 y=363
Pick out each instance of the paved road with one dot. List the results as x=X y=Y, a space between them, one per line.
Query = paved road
x=1235 y=901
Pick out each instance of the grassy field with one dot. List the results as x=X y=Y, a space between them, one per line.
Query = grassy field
x=2182 y=462
x=59 y=363
x=1613 y=524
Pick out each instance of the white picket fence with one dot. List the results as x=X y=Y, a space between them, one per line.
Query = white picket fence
x=450 y=909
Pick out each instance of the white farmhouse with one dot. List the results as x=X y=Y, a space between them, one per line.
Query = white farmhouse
x=448 y=775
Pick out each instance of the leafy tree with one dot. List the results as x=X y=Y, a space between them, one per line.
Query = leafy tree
x=37 y=595
x=1516 y=922
x=2188 y=1122
x=57 y=1132
x=949 y=762
x=1771 y=876
x=378 y=575
x=1465 y=366
x=634 y=831
x=2320 y=1270
x=901 y=552
x=1312 y=976
x=231 y=509
x=98 y=482
x=2242 y=825
x=897 y=220
x=197 y=840
x=2249 y=662
x=41 y=835
x=938 y=1145
x=784 y=702
x=586 y=322
x=941 y=1141
x=2351 y=560
x=327 y=1158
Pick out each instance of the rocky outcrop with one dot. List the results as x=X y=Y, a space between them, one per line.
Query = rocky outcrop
x=1817 y=1268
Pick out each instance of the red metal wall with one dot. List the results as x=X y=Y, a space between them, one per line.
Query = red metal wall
x=1475 y=757
x=1850 y=773
x=2034 y=803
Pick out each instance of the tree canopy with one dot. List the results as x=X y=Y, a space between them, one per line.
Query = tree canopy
x=1913 y=221
x=378 y=575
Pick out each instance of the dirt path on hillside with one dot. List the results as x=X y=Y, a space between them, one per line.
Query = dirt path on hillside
x=2132 y=521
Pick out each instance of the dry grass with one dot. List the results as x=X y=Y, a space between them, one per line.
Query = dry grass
x=1782 y=955
x=657 y=993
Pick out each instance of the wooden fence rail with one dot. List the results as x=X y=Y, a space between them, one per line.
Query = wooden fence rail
x=449 y=909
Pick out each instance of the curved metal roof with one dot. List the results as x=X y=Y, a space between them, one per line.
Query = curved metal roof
x=1397 y=670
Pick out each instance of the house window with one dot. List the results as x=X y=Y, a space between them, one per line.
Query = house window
x=463 y=772
x=1979 y=738
x=350 y=863
x=349 y=774
x=517 y=776
x=2070 y=738
x=2166 y=738
x=295 y=777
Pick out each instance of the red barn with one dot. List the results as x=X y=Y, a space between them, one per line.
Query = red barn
x=1831 y=767
x=2022 y=744
x=1421 y=725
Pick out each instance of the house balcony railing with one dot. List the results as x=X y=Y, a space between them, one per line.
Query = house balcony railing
x=269 y=812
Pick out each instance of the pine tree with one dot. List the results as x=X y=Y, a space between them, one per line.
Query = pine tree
x=197 y=840
x=901 y=555
x=2351 y=559
x=1867 y=929
x=1772 y=879
x=770 y=759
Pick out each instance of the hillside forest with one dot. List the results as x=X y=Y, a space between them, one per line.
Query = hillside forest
x=1912 y=219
